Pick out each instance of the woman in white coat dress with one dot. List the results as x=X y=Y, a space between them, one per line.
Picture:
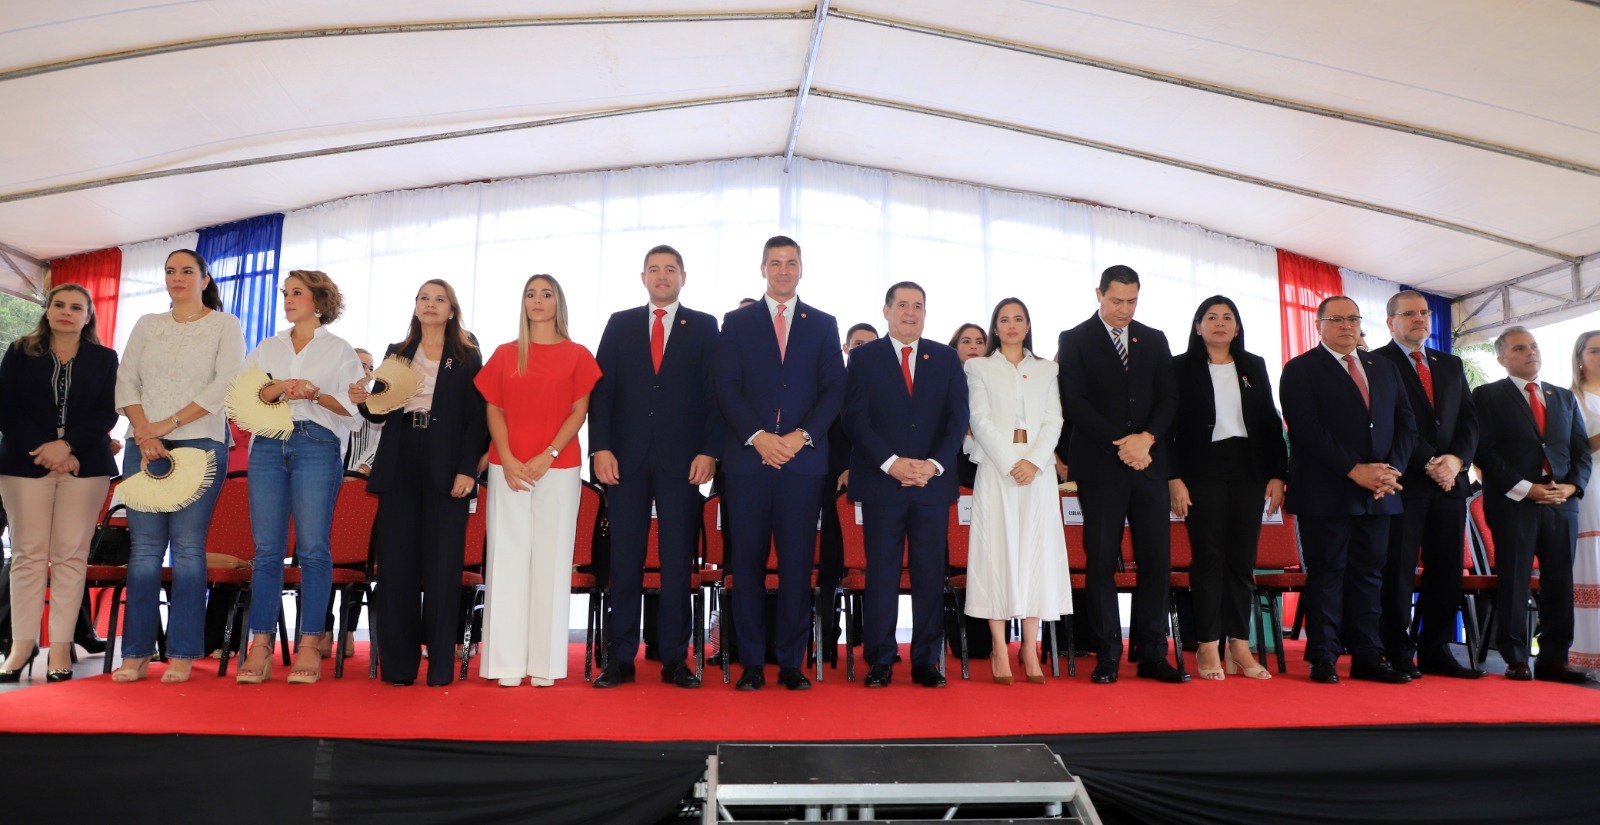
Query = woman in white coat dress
x=1017 y=557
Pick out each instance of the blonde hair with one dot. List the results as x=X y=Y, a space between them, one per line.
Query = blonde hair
x=525 y=327
x=1577 y=361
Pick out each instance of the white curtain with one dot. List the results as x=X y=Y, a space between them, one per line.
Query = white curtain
x=144 y=281
x=860 y=230
x=1372 y=296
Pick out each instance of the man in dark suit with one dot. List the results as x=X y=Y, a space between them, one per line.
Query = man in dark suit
x=1350 y=432
x=1534 y=456
x=906 y=413
x=1121 y=411
x=779 y=382
x=655 y=432
x=1434 y=490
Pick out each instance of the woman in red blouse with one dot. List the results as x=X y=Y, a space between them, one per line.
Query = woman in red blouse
x=537 y=389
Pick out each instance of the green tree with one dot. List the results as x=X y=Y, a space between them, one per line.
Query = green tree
x=17 y=317
x=1472 y=357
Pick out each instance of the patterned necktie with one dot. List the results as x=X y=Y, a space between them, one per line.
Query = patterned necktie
x=1425 y=374
x=781 y=327
x=658 y=340
x=905 y=366
x=1122 y=349
x=1361 y=380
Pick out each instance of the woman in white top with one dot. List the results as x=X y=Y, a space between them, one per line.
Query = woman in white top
x=1017 y=561
x=1585 y=652
x=299 y=476
x=173 y=378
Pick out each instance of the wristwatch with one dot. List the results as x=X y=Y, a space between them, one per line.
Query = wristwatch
x=554 y=453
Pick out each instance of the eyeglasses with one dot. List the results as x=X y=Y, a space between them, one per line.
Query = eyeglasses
x=1341 y=320
x=1414 y=313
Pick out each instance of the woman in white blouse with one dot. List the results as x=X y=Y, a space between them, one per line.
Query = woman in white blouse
x=299 y=476
x=1017 y=561
x=174 y=376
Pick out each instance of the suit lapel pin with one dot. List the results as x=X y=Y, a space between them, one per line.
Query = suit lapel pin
x=1245 y=380
x=802 y=315
x=681 y=322
x=924 y=357
x=1135 y=340
x=448 y=362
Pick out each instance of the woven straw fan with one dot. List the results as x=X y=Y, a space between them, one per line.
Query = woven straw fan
x=245 y=407
x=191 y=475
x=393 y=383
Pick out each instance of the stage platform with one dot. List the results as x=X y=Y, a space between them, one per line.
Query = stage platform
x=354 y=749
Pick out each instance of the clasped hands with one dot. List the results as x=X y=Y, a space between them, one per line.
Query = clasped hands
x=297 y=389
x=1551 y=493
x=912 y=472
x=1443 y=469
x=55 y=456
x=607 y=470
x=776 y=450
x=521 y=475
x=1378 y=477
x=1134 y=449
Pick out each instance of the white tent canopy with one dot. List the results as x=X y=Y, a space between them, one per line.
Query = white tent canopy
x=1447 y=144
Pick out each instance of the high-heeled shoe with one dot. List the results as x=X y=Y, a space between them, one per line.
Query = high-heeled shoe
x=1255 y=671
x=1032 y=678
x=125 y=673
x=999 y=680
x=1209 y=673
x=90 y=642
x=302 y=675
x=59 y=676
x=255 y=677
x=172 y=676
x=15 y=674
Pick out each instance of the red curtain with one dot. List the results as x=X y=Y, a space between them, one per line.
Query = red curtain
x=1302 y=284
x=100 y=273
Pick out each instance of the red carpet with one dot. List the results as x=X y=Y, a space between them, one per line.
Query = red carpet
x=355 y=707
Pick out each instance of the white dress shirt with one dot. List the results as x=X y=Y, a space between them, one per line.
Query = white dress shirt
x=327 y=361
x=1522 y=488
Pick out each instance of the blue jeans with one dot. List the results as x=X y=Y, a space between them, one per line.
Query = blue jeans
x=150 y=534
x=299 y=477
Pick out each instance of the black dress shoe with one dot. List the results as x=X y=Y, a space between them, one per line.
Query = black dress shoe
x=793 y=678
x=1519 y=672
x=1447 y=666
x=1378 y=671
x=403 y=682
x=616 y=673
x=1563 y=674
x=751 y=679
x=1407 y=667
x=879 y=676
x=1104 y=673
x=680 y=675
x=928 y=676
x=1325 y=673
x=1162 y=672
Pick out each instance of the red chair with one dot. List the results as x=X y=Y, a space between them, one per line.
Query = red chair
x=769 y=582
x=472 y=583
x=229 y=535
x=591 y=525
x=114 y=576
x=1278 y=551
x=1182 y=559
x=958 y=539
x=713 y=569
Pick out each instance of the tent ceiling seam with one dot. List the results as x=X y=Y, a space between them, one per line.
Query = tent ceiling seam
x=1202 y=86
x=818 y=19
x=1195 y=167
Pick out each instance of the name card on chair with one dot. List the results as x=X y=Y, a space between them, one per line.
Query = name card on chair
x=964 y=510
x=1071 y=510
x=859 y=518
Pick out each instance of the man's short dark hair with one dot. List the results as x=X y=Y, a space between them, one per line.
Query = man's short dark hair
x=663 y=249
x=1119 y=274
x=778 y=241
x=1322 y=308
x=861 y=327
x=888 y=297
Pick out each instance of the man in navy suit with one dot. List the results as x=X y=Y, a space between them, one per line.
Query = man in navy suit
x=1434 y=490
x=1534 y=456
x=780 y=383
x=1350 y=433
x=655 y=432
x=905 y=411
x=1120 y=411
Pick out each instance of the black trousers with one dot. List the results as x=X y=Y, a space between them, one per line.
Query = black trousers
x=1145 y=503
x=677 y=506
x=1224 y=525
x=1522 y=532
x=919 y=533
x=1433 y=527
x=421 y=535
x=1344 y=578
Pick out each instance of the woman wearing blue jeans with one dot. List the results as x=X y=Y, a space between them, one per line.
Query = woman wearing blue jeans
x=299 y=476
x=171 y=384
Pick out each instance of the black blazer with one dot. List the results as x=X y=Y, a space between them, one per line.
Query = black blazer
x=458 y=420
x=1511 y=450
x=1331 y=430
x=1197 y=415
x=1448 y=426
x=28 y=410
x=636 y=412
x=1103 y=402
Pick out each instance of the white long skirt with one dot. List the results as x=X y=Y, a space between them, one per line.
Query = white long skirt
x=1017 y=556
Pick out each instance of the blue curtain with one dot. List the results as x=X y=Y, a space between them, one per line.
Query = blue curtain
x=244 y=262
x=1440 y=338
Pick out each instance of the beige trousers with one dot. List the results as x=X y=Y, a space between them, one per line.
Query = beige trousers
x=52 y=522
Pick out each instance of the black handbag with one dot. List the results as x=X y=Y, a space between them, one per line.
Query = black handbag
x=112 y=543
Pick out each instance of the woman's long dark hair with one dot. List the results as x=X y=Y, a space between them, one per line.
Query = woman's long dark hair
x=456 y=338
x=210 y=296
x=42 y=337
x=955 y=340
x=1197 y=345
x=993 y=344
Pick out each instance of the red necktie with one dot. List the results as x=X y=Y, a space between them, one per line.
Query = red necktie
x=1361 y=381
x=658 y=339
x=781 y=327
x=905 y=366
x=1425 y=374
x=1537 y=404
